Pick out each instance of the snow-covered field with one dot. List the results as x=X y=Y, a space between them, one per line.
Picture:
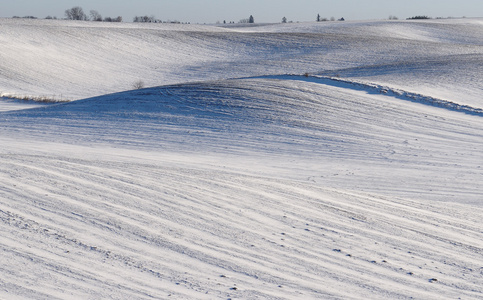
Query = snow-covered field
x=333 y=160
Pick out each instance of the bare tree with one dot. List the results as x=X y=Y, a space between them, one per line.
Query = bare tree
x=95 y=16
x=138 y=85
x=76 y=13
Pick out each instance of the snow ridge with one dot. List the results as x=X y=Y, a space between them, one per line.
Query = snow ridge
x=385 y=90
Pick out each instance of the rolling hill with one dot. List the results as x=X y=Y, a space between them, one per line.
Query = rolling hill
x=334 y=160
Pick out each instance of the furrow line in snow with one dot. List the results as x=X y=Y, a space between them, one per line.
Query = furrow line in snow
x=220 y=219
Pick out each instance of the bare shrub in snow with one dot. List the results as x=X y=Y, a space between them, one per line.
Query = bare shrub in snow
x=138 y=85
x=39 y=99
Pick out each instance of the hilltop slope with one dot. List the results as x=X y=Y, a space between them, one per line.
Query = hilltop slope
x=272 y=188
x=268 y=186
x=77 y=60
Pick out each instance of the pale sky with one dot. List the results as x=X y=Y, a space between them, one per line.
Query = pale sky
x=264 y=11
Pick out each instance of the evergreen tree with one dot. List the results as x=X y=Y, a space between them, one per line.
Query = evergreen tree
x=251 y=19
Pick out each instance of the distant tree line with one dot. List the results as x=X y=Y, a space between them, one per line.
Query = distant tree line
x=145 y=19
x=320 y=19
x=77 y=13
x=148 y=19
x=419 y=18
x=26 y=17
x=152 y=19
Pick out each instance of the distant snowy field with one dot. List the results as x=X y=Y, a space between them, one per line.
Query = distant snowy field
x=332 y=160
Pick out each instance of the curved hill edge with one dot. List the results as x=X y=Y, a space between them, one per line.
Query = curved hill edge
x=370 y=88
x=373 y=88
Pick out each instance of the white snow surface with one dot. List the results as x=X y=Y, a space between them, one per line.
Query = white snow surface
x=332 y=160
